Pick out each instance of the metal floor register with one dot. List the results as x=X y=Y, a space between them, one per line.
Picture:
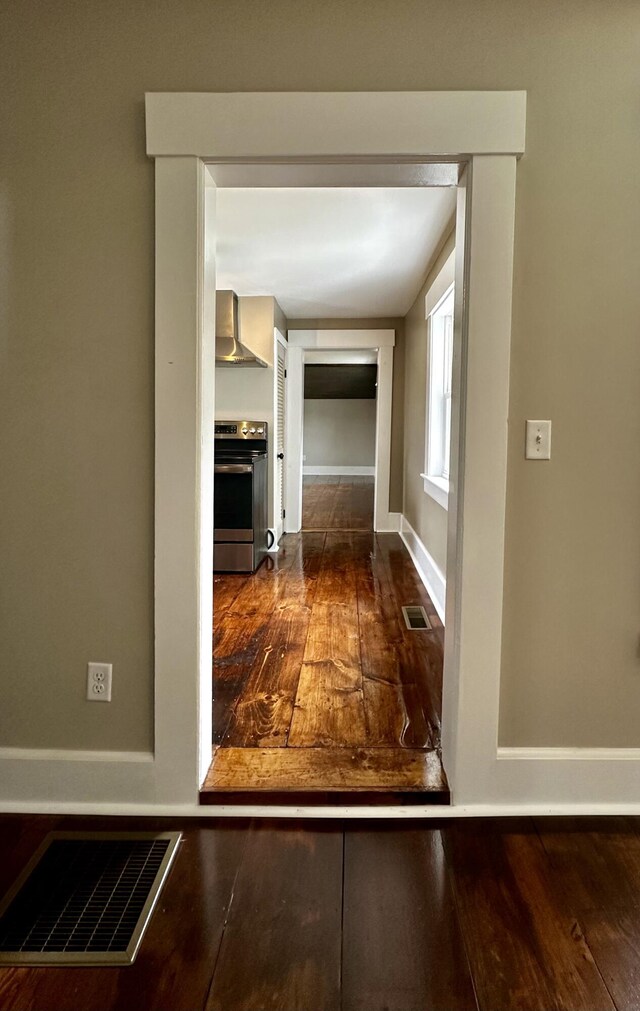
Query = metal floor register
x=85 y=898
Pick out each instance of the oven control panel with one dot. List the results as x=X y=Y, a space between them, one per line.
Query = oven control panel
x=240 y=430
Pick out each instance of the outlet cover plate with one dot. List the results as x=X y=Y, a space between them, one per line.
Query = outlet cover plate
x=99 y=682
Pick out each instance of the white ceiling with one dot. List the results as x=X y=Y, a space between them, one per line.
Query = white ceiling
x=331 y=252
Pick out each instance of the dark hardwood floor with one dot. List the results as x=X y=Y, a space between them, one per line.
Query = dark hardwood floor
x=337 y=503
x=484 y=915
x=318 y=684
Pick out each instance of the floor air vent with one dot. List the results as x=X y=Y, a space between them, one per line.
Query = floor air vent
x=416 y=618
x=85 y=898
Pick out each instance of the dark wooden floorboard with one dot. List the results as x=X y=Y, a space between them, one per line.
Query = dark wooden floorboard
x=613 y=938
x=526 y=948
x=281 y=947
x=175 y=964
x=597 y=865
x=402 y=945
x=365 y=915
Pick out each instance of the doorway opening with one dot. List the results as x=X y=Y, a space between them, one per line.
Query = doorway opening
x=320 y=687
x=377 y=139
x=339 y=440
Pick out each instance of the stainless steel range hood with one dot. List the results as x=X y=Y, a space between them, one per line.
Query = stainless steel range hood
x=230 y=352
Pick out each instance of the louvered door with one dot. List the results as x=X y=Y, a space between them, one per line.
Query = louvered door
x=280 y=423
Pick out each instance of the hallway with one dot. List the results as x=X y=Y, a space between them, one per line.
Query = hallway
x=318 y=684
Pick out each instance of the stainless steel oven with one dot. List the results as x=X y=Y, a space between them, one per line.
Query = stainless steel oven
x=240 y=496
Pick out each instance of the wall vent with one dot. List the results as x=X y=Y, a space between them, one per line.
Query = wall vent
x=85 y=898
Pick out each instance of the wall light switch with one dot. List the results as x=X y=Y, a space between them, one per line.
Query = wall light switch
x=538 y=440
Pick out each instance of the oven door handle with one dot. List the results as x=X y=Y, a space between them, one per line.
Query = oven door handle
x=232 y=468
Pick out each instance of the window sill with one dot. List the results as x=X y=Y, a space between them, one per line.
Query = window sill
x=437 y=488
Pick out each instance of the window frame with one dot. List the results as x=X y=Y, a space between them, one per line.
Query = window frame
x=435 y=475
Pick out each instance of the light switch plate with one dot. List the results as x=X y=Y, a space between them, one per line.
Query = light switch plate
x=538 y=440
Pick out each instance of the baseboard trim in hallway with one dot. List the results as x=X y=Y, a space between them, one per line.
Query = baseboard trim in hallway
x=426 y=566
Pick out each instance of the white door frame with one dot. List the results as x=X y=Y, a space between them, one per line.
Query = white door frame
x=382 y=341
x=485 y=132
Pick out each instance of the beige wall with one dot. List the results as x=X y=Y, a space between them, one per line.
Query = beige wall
x=427 y=518
x=339 y=433
x=76 y=332
x=397 y=412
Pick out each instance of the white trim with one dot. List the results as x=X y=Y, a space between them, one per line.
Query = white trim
x=437 y=488
x=397 y=124
x=568 y=776
x=341 y=340
x=184 y=410
x=338 y=471
x=384 y=403
x=485 y=225
x=441 y=285
x=67 y=755
x=426 y=566
x=412 y=812
x=569 y=754
x=436 y=476
x=393 y=524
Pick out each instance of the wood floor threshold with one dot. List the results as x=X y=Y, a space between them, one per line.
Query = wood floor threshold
x=325 y=775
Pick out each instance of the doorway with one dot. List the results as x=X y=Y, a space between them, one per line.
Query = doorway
x=339 y=440
x=367 y=136
x=320 y=684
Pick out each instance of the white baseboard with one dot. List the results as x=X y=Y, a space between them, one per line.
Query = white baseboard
x=592 y=778
x=389 y=523
x=412 y=812
x=69 y=755
x=351 y=471
x=55 y=777
x=427 y=568
x=523 y=781
x=570 y=754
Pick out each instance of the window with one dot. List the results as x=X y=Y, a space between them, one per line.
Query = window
x=439 y=308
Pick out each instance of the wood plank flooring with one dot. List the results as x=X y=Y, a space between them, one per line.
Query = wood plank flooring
x=332 y=502
x=312 y=655
x=460 y=915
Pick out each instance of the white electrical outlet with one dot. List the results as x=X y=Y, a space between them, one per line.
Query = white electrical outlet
x=99 y=682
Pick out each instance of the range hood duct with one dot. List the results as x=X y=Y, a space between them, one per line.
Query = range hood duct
x=230 y=352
